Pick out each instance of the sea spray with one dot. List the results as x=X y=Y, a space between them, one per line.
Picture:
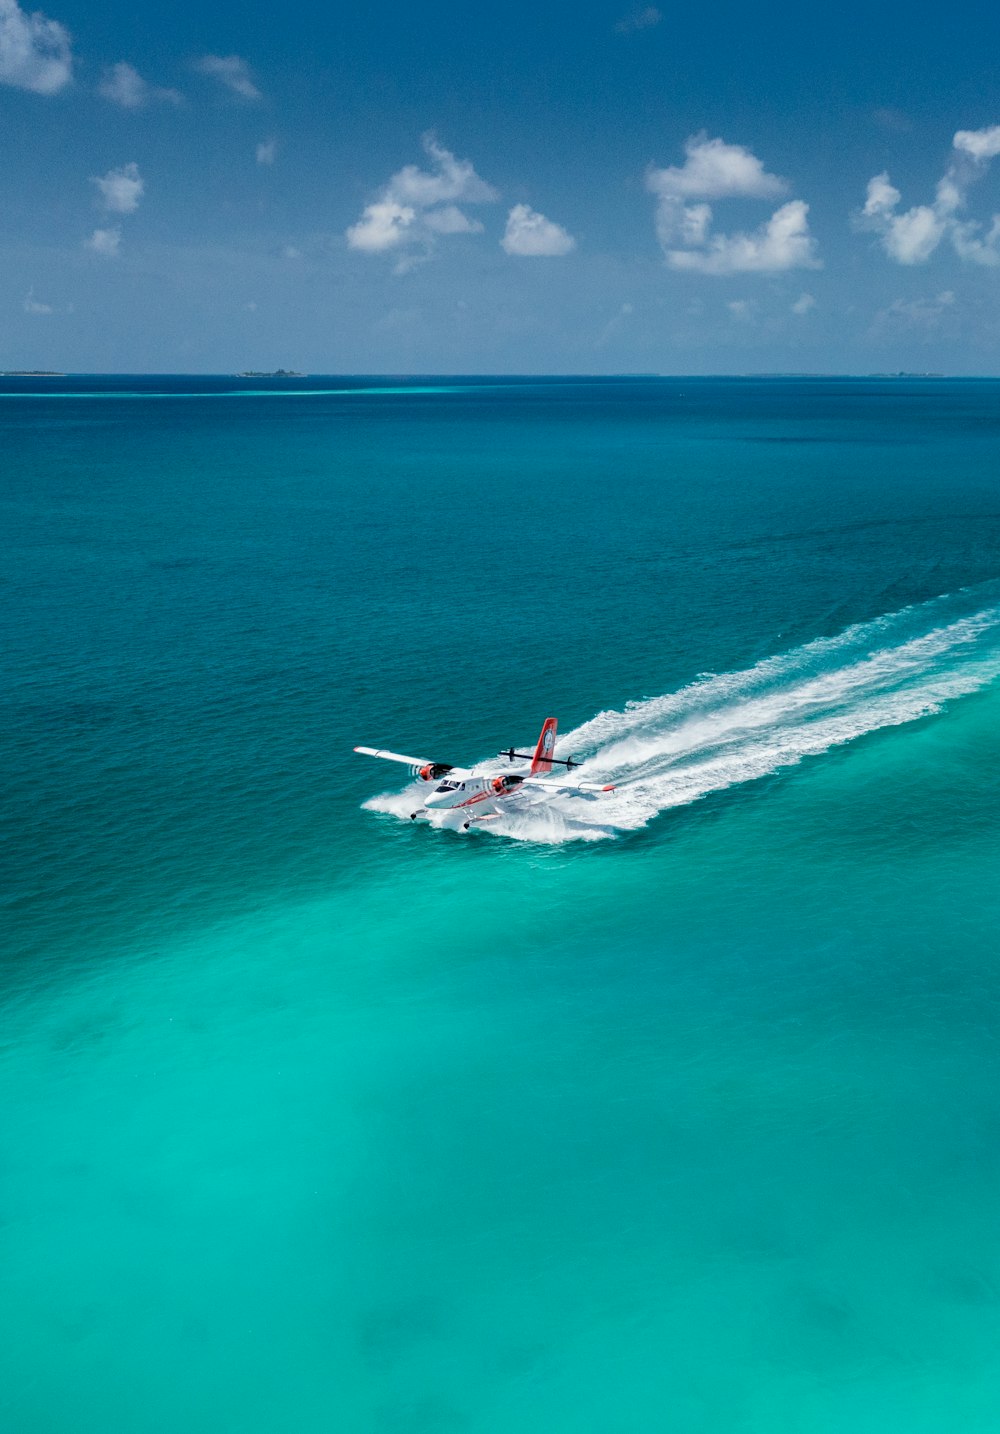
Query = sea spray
x=726 y=729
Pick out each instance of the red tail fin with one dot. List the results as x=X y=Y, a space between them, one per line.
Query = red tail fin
x=542 y=761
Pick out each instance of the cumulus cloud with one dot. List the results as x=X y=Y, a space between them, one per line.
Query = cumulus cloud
x=418 y=206
x=123 y=85
x=979 y=143
x=230 y=71
x=881 y=197
x=33 y=305
x=121 y=189
x=530 y=235
x=782 y=243
x=976 y=244
x=911 y=236
x=639 y=19
x=385 y=224
x=267 y=151
x=105 y=242
x=450 y=179
x=716 y=170
x=804 y=304
x=35 y=52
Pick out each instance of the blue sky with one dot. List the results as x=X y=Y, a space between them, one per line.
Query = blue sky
x=533 y=188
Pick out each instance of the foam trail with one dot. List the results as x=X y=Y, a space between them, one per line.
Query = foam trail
x=727 y=729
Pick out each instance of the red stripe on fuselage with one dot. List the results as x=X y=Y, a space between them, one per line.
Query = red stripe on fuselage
x=485 y=796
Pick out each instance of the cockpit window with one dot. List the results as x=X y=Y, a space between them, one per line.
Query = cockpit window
x=447 y=787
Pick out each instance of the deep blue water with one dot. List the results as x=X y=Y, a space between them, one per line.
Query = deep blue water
x=318 y=1118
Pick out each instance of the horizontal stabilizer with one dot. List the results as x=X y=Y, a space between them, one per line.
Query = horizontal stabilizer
x=509 y=753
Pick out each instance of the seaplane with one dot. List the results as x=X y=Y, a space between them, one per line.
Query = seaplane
x=477 y=796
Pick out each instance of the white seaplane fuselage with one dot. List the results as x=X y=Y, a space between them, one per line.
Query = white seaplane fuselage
x=464 y=789
x=476 y=796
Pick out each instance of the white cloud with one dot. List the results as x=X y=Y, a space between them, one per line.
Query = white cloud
x=267 y=151
x=912 y=235
x=881 y=198
x=35 y=51
x=231 y=71
x=979 y=143
x=290 y=252
x=974 y=245
x=418 y=206
x=451 y=179
x=804 y=304
x=714 y=169
x=530 y=234
x=123 y=85
x=384 y=225
x=33 y=305
x=121 y=189
x=105 y=242
x=639 y=19
x=784 y=242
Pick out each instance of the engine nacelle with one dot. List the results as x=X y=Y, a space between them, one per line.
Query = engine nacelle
x=433 y=771
x=503 y=785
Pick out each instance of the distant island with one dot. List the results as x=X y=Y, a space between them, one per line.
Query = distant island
x=30 y=373
x=278 y=373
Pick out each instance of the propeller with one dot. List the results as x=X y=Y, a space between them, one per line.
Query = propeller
x=431 y=771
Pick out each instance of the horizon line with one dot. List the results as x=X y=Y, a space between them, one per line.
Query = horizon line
x=470 y=375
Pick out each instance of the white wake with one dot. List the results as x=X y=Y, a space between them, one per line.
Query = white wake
x=722 y=730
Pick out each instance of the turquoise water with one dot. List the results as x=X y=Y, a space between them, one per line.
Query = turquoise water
x=675 y=1110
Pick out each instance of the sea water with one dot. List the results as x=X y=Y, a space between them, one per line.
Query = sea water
x=675 y=1109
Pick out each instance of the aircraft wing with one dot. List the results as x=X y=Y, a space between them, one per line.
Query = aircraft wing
x=433 y=770
x=394 y=757
x=547 y=784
